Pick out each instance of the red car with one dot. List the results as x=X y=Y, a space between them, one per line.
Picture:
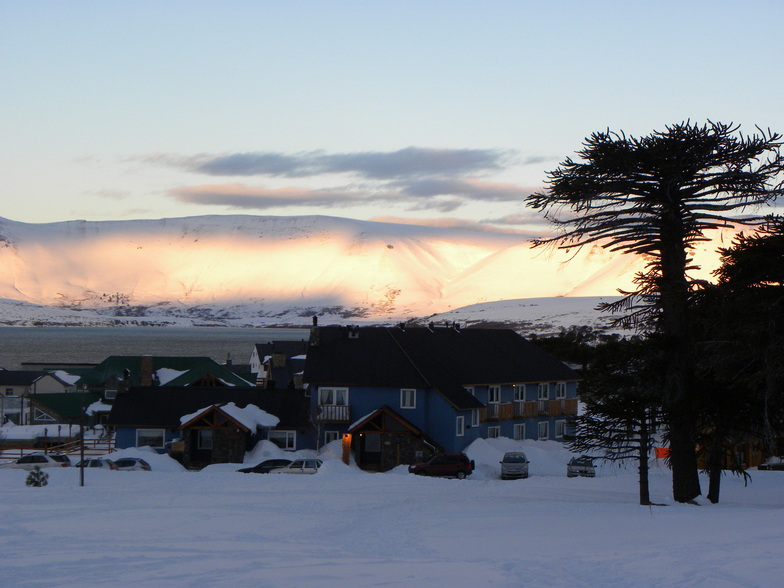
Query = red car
x=456 y=465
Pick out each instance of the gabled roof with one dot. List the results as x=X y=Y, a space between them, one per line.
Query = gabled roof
x=446 y=359
x=191 y=369
x=66 y=405
x=380 y=420
x=164 y=406
x=247 y=418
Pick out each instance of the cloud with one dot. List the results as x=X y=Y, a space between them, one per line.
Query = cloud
x=469 y=188
x=378 y=165
x=241 y=196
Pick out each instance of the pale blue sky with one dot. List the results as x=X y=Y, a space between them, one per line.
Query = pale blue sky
x=425 y=110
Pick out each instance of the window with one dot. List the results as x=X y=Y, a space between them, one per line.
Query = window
x=559 y=429
x=333 y=396
x=284 y=439
x=9 y=391
x=205 y=439
x=39 y=415
x=519 y=392
x=519 y=432
x=152 y=437
x=475 y=417
x=544 y=430
x=494 y=394
x=544 y=391
x=560 y=390
x=493 y=432
x=460 y=426
x=330 y=436
x=372 y=443
x=407 y=398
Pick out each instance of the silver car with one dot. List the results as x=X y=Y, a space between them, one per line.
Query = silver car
x=299 y=466
x=514 y=465
x=580 y=466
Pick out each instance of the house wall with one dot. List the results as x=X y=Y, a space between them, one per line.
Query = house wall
x=50 y=385
x=125 y=437
x=437 y=418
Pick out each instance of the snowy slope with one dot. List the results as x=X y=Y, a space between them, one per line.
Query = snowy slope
x=345 y=527
x=255 y=267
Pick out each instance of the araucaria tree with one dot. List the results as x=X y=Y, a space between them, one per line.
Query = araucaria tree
x=622 y=411
x=656 y=196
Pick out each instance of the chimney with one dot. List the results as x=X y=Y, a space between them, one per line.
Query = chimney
x=315 y=336
x=146 y=375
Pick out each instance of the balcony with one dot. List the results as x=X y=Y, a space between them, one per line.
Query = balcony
x=524 y=410
x=331 y=413
x=563 y=407
x=504 y=411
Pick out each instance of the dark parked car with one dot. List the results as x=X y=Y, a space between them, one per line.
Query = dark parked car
x=265 y=466
x=580 y=466
x=775 y=463
x=455 y=465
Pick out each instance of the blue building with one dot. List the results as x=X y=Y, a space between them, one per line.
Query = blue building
x=399 y=394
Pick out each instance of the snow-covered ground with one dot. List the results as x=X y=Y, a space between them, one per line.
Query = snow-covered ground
x=345 y=527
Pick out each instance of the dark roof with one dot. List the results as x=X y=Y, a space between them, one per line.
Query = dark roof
x=19 y=377
x=163 y=406
x=114 y=367
x=420 y=357
x=289 y=348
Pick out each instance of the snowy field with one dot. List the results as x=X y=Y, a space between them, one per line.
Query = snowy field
x=345 y=527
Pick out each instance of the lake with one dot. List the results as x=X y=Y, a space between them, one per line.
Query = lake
x=94 y=344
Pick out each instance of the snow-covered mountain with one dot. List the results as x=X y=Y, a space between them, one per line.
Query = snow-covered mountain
x=279 y=270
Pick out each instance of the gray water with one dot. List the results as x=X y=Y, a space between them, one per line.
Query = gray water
x=94 y=344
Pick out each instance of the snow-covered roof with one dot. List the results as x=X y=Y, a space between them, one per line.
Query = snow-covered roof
x=166 y=375
x=251 y=416
x=98 y=406
x=63 y=376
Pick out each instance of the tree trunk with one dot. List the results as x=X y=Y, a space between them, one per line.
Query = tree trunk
x=714 y=469
x=644 y=447
x=678 y=392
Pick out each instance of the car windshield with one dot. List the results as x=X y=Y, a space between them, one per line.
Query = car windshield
x=514 y=459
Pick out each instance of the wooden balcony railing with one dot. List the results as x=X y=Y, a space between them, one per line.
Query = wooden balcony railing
x=330 y=413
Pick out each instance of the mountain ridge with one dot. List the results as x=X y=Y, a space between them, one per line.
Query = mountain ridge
x=262 y=268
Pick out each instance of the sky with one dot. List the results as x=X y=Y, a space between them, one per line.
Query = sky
x=440 y=113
